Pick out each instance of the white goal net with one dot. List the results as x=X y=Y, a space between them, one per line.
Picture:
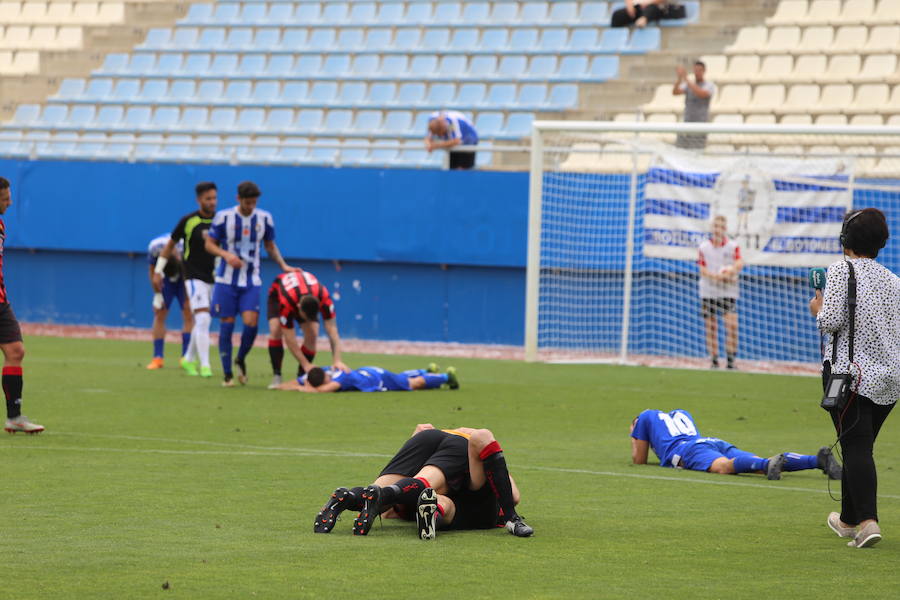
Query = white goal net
x=618 y=214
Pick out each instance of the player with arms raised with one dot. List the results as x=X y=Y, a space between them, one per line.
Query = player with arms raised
x=720 y=264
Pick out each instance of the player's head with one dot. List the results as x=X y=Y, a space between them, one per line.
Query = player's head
x=317 y=376
x=5 y=196
x=247 y=195
x=719 y=226
x=437 y=126
x=865 y=232
x=207 y=197
x=308 y=307
x=699 y=70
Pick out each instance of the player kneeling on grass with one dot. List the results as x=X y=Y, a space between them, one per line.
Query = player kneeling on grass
x=444 y=478
x=675 y=440
x=372 y=379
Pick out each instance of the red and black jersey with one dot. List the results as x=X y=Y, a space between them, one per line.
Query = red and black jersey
x=3 y=298
x=290 y=287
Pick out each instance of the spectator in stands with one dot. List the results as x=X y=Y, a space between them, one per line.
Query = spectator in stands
x=697 y=96
x=639 y=13
x=447 y=129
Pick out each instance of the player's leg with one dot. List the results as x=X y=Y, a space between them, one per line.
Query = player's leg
x=248 y=305
x=310 y=331
x=187 y=318
x=159 y=337
x=731 y=333
x=712 y=331
x=13 y=354
x=423 y=379
x=340 y=500
x=224 y=308
x=487 y=463
x=429 y=514
x=747 y=462
x=199 y=298
x=275 y=341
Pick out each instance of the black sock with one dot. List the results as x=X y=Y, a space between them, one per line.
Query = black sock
x=12 y=388
x=310 y=356
x=354 y=501
x=498 y=478
x=406 y=491
x=276 y=356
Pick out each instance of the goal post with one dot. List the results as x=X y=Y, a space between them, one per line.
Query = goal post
x=617 y=213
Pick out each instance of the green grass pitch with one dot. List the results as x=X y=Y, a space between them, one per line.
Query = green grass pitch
x=144 y=478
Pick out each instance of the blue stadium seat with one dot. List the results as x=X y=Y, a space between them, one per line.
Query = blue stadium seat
x=440 y=94
x=482 y=67
x=281 y=12
x=169 y=64
x=397 y=122
x=211 y=91
x=185 y=38
x=337 y=122
x=354 y=156
x=502 y=95
x=335 y=12
x=53 y=115
x=193 y=118
x=279 y=120
x=504 y=12
x=141 y=63
x=322 y=39
x=115 y=63
x=309 y=119
x=212 y=38
x=394 y=66
x=464 y=39
x=470 y=94
x=383 y=156
x=553 y=39
x=423 y=66
x=280 y=65
x=476 y=12
x=307 y=12
x=435 y=39
x=420 y=123
x=294 y=92
x=81 y=116
x=252 y=65
x=365 y=65
x=199 y=13
x=90 y=146
x=389 y=13
x=323 y=92
x=533 y=12
x=293 y=39
x=183 y=91
x=265 y=92
x=494 y=40
x=604 y=68
x=350 y=39
x=266 y=39
x=362 y=13
x=489 y=124
x=447 y=12
x=154 y=90
x=454 y=66
x=60 y=145
x=336 y=65
x=209 y=148
x=176 y=148
x=368 y=122
x=226 y=13
x=119 y=146
x=378 y=38
x=542 y=67
x=573 y=67
x=418 y=13
x=148 y=147
x=264 y=150
x=98 y=89
x=224 y=65
x=165 y=118
x=237 y=92
x=222 y=119
x=643 y=41
x=352 y=93
x=523 y=40
x=585 y=39
x=613 y=40
x=137 y=117
x=126 y=89
x=239 y=38
x=406 y=38
x=293 y=151
x=411 y=94
x=563 y=96
x=157 y=38
x=563 y=13
x=512 y=66
x=71 y=89
x=382 y=94
x=250 y=119
x=323 y=155
x=594 y=12
x=254 y=14
x=308 y=65
x=196 y=64
x=518 y=125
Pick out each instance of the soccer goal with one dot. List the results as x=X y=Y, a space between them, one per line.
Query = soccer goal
x=618 y=210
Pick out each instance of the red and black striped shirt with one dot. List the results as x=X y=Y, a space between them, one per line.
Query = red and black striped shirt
x=290 y=287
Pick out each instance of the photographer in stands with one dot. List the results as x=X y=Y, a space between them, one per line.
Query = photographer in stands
x=866 y=351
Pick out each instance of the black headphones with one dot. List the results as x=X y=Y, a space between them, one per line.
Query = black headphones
x=845 y=235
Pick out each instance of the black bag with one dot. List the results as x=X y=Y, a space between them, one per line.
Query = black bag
x=675 y=11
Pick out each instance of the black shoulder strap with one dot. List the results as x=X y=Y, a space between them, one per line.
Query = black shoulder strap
x=851 y=306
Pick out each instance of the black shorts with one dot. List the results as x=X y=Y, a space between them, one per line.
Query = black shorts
x=713 y=307
x=475 y=510
x=462 y=160
x=446 y=451
x=9 y=326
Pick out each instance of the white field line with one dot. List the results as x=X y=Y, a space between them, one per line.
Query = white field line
x=278 y=451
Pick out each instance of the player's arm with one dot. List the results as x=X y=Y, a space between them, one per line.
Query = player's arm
x=290 y=339
x=156 y=274
x=446 y=143
x=639 y=451
x=681 y=72
x=275 y=254
x=331 y=330
x=212 y=246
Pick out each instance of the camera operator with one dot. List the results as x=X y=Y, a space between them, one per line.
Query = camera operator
x=875 y=369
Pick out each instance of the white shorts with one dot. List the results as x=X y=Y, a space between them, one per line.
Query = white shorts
x=199 y=293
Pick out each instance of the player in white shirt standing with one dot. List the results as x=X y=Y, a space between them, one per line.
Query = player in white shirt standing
x=720 y=264
x=235 y=237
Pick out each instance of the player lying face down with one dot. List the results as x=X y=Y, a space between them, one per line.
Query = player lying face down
x=676 y=441
x=372 y=379
x=449 y=479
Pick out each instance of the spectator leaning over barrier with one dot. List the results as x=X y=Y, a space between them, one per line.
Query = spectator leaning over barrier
x=450 y=128
x=639 y=13
x=697 y=96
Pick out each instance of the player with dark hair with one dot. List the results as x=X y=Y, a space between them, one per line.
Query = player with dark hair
x=433 y=466
x=11 y=340
x=720 y=265
x=677 y=443
x=235 y=236
x=372 y=379
x=173 y=288
x=298 y=296
x=192 y=230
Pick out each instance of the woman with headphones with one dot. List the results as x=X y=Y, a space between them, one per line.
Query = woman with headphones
x=874 y=369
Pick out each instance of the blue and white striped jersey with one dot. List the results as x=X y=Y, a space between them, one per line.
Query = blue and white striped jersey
x=459 y=127
x=243 y=236
x=154 y=248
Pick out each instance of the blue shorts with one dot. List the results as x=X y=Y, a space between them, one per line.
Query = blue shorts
x=700 y=454
x=230 y=300
x=172 y=290
x=395 y=382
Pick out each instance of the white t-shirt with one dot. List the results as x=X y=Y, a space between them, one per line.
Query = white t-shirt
x=715 y=258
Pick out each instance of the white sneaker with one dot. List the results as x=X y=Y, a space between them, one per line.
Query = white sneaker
x=867 y=537
x=21 y=423
x=834 y=522
x=276 y=381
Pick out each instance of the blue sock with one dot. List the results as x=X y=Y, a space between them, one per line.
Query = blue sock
x=799 y=462
x=185 y=341
x=225 y=331
x=434 y=380
x=158 y=348
x=750 y=464
x=248 y=336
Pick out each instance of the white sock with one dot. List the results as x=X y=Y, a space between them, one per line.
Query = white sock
x=201 y=334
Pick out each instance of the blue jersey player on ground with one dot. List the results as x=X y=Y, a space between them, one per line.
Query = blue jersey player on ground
x=372 y=379
x=676 y=441
x=235 y=237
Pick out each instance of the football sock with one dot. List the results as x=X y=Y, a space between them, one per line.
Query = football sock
x=433 y=380
x=158 y=348
x=226 y=328
x=498 y=478
x=354 y=501
x=276 y=355
x=200 y=336
x=248 y=336
x=185 y=341
x=12 y=388
x=405 y=491
x=310 y=356
x=799 y=462
x=750 y=464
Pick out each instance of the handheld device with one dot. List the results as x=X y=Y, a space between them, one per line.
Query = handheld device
x=817 y=278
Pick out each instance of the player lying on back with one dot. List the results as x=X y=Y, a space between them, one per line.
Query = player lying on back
x=675 y=440
x=372 y=379
x=432 y=467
